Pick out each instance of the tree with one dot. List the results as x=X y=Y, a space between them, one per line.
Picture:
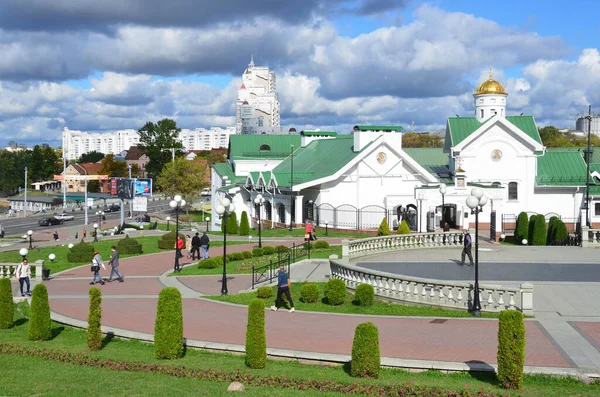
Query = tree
x=182 y=177
x=244 y=225
x=9 y=177
x=156 y=138
x=522 y=228
x=413 y=139
x=91 y=157
x=93 y=186
x=94 y=331
x=548 y=134
x=384 y=228
x=114 y=168
x=403 y=228
x=42 y=163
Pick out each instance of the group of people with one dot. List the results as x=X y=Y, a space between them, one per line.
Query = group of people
x=97 y=262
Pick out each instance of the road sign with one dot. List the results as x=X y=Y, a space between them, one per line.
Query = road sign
x=140 y=204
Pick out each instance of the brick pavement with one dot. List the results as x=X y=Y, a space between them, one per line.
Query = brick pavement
x=132 y=306
x=591 y=331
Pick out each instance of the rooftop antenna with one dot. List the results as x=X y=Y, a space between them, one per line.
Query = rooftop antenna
x=251 y=64
x=412 y=127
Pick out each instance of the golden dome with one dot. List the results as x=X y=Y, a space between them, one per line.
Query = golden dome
x=490 y=86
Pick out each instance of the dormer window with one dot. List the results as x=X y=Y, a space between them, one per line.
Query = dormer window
x=265 y=147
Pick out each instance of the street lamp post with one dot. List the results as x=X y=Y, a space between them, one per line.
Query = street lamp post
x=207 y=220
x=443 y=192
x=292 y=215
x=259 y=201
x=23 y=252
x=475 y=202
x=30 y=235
x=587 y=175
x=176 y=204
x=421 y=197
x=168 y=220
x=25 y=199
x=95 y=233
x=326 y=229
x=224 y=209
x=100 y=215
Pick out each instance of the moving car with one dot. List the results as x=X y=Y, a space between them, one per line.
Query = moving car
x=64 y=217
x=113 y=208
x=49 y=221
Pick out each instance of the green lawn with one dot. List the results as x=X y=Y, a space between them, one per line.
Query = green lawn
x=349 y=307
x=245 y=265
x=50 y=378
x=149 y=246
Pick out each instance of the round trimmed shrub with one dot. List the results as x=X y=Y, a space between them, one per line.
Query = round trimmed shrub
x=257 y=252
x=230 y=258
x=281 y=248
x=309 y=293
x=129 y=246
x=167 y=241
x=531 y=228
x=210 y=263
x=238 y=256
x=511 y=349
x=321 y=244
x=244 y=225
x=552 y=224
x=308 y=245
x=561 y=232
x=366 y=358
x=40 y=325
x=364 y=295
x=264 y=292
x=522 y=228
x=94 y=331
x=335 y=292
x=268 y=250
x=384 y=228
x=81 y=252
x=256 y=339
x=168 y=329
x=403 y=228
x=232 y=224
x=247 y=254
x=6 y=304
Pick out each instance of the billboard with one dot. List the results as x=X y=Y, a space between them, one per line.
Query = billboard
x=142 y=187
x=121 y=187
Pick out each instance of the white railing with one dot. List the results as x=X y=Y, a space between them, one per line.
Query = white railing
x=8 y=269
x=376 y=245
x=590 y=237
x=437 y=293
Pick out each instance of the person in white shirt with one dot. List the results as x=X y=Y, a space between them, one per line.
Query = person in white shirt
x=96 y=263
x=23 y=273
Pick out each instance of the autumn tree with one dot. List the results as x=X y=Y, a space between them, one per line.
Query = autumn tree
x=158 y=139
x=114 y=168
x=422 y=140
x=182 y=177
x=91 y=157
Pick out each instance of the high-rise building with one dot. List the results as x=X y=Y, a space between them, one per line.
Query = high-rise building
x=257 y=105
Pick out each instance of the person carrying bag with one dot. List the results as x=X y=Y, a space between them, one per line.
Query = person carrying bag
x=96 y=263
x=23 y=273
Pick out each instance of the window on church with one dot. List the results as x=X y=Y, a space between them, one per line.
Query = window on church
x=512 y=191
x=261 y=121
x=265 y=147
x=494 y=111
x=481 y=113
x=597 y=209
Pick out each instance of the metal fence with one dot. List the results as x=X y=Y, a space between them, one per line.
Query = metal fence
x=347 y=216
x=268 y=272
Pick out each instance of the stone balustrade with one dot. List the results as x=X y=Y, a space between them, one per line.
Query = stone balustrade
x=8 y=269
x=437 y=293
x=590 y=237
x=376 y=245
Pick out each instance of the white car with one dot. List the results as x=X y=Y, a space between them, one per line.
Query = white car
x=64 y=217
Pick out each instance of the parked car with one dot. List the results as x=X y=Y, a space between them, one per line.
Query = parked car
x=205 y=192
x=49 y=221
x=64 y=217
x=113 y=208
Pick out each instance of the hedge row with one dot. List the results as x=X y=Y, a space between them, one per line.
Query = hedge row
x=94 y=332
x=6 y=304
x=168 y=328
x=40 y=325
x=533 y=230
x=511 y=349
x=248 y=379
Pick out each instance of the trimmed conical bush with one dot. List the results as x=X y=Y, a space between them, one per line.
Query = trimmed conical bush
x=40 y=325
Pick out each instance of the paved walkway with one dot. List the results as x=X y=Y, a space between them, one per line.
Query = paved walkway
x=555 y=343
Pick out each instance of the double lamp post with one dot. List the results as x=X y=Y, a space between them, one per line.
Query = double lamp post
x=176 y=204
x=224 y=209
x=259 y=201
x=475 y=202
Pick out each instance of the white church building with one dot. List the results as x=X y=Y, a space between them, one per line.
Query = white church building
x=352 y=181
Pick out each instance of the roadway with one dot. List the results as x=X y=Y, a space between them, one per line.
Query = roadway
x=20 y=226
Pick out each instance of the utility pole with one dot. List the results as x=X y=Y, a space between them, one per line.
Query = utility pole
x=64 y=179
x=587 y=175
x=25 y=201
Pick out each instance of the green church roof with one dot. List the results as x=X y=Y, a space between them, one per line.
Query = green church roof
x=462 y=127
x=318 y=133
x=378 y=128
x=433 y=160
x=254 y=147
x=561 y=167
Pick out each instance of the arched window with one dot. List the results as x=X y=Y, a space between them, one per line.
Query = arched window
x=265 y=147
x=513 y=193
x=261 y=121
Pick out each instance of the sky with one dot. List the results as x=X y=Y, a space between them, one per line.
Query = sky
x=107 y=65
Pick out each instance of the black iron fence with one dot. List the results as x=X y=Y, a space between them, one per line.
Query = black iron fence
x=268 y=272
x=347 y=216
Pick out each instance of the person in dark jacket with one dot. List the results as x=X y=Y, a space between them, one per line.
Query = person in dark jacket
x=195 y=253
x=114 y=263
x=467 y=248
x=283 y=287
x=204 y=243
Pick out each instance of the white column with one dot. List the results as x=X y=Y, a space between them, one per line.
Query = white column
x=298 y=207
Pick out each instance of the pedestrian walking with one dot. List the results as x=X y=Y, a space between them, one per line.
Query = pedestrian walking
x=467 y=248
x=179 y=245
x=23 y=273
x=204 y=243
x=84 y=233
x=283 y=287
x=55 y=235
x=308 y=231
x=188 y=245
x=196 y=247
x=114 y=265
x=96 y=263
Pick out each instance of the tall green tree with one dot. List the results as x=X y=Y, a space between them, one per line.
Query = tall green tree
x=9 y=177
x=91 y=157
x=42 y=163
x=182 y=177
x=158 y=139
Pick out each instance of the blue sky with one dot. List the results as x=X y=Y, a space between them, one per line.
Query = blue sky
x=111 y=65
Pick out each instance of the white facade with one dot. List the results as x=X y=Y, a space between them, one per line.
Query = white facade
x=257 y=105
x=76 y=143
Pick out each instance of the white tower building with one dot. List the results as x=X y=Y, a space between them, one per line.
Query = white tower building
x=257 y=105
x=490 y=99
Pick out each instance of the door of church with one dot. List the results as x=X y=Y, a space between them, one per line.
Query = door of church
x=493 y=226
